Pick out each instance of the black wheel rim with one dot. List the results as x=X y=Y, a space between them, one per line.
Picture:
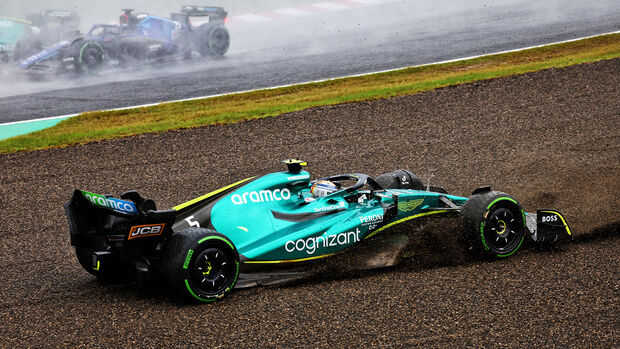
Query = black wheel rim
x=503 y=231
x=92 y=58
x=213 y=270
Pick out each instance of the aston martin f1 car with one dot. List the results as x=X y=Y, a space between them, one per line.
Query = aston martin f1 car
x=283 y=225
x=139 y=38
x=11 y=31
x=51 y=26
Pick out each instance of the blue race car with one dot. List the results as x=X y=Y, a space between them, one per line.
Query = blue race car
x=139 y=38
x=50 y=26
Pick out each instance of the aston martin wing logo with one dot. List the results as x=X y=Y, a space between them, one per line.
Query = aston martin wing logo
x=409 y=205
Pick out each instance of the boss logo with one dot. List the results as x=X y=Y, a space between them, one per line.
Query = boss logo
x=145 y=230
x=546 y=219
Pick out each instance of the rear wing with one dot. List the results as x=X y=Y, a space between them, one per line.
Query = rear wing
x=92 y=216
x=214 y=13
x=61 y=17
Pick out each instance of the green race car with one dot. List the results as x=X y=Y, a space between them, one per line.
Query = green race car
x=11 y=31
x=283 y=225
x=20 y=39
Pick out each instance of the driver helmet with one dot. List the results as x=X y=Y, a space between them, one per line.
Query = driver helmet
x=323 y=188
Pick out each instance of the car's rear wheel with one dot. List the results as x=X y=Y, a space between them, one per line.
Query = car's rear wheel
x=200 y=265
x=212 y=39
x=494 y=224
x=400 y=179
x=88 y=57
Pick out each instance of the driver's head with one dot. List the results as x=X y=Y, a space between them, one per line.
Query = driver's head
x=322 y=188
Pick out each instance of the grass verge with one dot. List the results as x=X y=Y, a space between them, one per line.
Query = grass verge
x=93 y=126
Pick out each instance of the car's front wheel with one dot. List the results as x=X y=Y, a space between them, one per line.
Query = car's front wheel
x=200 y=265
x=494 y=223
x=88 y=57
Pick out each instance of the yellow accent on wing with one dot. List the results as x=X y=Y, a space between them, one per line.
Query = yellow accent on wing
x=206 y=196
x=404 y=219
x=562 y=218
x=290 y=261
x=22 y=21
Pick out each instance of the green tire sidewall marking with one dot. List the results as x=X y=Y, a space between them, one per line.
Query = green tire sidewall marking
x=513 y=251
x=484 y=242
x=196 y=296
x=216 y=238
x=235 y=280
x=188 y=258
x=500 y=199
x=88 y=44
x=211 y=43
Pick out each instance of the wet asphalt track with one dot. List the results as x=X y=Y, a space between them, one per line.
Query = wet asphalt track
x=342 y=43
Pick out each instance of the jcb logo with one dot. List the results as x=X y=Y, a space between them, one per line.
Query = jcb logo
x=146 y=230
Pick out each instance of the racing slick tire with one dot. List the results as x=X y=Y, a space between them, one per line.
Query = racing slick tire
x=212 y=39
x=400 y=179
x=88 y=57
x=494 y=224
x=112 y=269
x=200 y=265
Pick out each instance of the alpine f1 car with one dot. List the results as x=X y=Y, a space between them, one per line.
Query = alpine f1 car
x=283 y=225
x=139 y=38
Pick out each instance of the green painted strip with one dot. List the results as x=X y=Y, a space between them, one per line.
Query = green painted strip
x=188 y=258
x=9 y=130
x=499 y=199
x=405 y=219
x=513 y=251
x=208 y=195
x=217 y=238
x=195 y=295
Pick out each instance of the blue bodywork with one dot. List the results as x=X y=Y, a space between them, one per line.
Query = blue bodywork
x=151 y=30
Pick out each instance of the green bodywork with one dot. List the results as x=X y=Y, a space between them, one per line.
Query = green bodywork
x=11 y=31
x=274 y=218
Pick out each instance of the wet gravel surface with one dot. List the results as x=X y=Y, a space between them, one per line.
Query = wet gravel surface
x=550 y=138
